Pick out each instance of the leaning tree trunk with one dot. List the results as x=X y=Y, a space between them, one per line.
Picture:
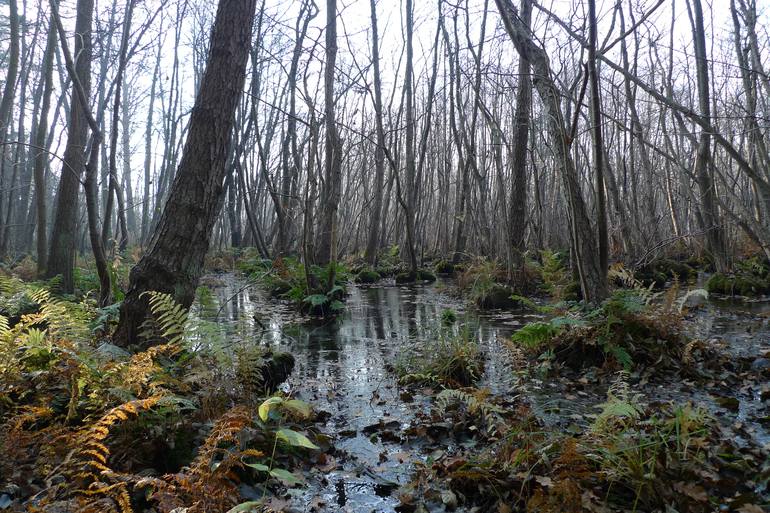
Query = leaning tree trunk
x=174 y=259
x=593 y=278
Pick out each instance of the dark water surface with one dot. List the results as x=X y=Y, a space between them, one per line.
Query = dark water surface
x=343 y=369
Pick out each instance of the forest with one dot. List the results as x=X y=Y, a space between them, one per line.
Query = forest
x=410 y=256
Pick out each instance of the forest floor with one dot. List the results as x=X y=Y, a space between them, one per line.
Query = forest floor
x=411 y=400
x=396 y=446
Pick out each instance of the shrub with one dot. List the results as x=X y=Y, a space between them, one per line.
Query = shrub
x=288 y=279
x=444 y=267
x=448 y=317
x=624 y=331
x=367 y=276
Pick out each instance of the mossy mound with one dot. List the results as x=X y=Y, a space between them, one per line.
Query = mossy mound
x=623 y=332
x=751 y=278
x=659 y=272
x=743 y=284
x=444 y=267
x=421 y=275
x=366 y=276
x=496 y=297
x=424 y=275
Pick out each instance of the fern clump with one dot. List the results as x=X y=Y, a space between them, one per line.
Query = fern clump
x=626 y=330
x=90 y=422
x=310 y=288
x=476 y=402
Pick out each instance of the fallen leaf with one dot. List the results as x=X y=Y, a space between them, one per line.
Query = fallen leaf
x=750 y=508
x=692 y=490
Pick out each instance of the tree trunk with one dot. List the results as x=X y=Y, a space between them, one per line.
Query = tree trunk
x=41 y=155
x=593 y=278
x=703 y=163
x=373 y=238
x=411 y=171
x=61 y=257
x=598 y=145
x=148 y=154
x=330 y=192
x=174 y=259
x=518 y=205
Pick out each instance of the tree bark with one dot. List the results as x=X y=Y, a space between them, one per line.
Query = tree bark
x=330 y=191
x=174 y=259
x=373 y=237
x=61 y=257
x=41 y=155
x=593 y=278
x=518 y=206
x=703 y=162
x=598 y=145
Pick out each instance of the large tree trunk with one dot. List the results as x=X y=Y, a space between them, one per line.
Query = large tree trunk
x=703 y=163
x=61 y=258
x=330 y=192
x=593 y=278
x=598 y=145
x=6 y=106
x=373 y=238
x=518 y=205
x=41 y=156
x=174 y=259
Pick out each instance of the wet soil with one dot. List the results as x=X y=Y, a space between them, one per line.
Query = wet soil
x=344 y=370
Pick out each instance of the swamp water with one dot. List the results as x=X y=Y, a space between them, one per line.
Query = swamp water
x=345 y=370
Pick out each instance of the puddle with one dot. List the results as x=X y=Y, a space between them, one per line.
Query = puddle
x=341 y=369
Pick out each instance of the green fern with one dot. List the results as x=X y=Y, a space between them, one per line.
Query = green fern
x=535 y=334
x=170 y=316
x=64 y=320
x=474 y=402
x=621 y=407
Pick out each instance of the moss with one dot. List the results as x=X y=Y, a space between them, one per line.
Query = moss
x=280 y=288
x=405 y=277
x=719 y=283
x=742 y=284
x=573 y=292
x=498 y=296
x=367 y=276
x=444 y=267
x=424 y=275
x=659 y=272
x=410 y=277
x=750 y=286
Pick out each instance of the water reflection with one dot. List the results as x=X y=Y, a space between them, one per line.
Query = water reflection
x=342 y=368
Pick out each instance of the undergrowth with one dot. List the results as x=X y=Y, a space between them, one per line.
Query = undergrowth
x=633 y=457
x=310 y=288
x=89 y=427
x=451 y=359
x=628 y=329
